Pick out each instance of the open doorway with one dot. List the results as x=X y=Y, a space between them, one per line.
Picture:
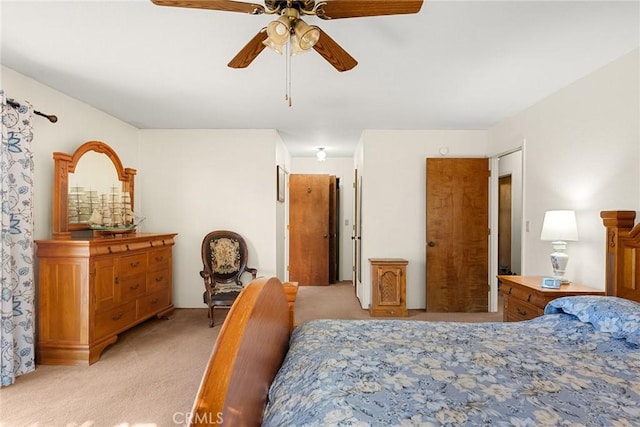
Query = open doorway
x=504 y=224
x=506 y=243
x=510 y=213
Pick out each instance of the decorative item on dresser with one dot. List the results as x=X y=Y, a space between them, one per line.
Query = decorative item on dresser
x=91 y=287
x=524 y=297
x=388 y=287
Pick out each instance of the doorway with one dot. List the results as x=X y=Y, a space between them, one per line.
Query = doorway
x=313 y=231
x=504 y=224
x=509 y=206
x=457 y=252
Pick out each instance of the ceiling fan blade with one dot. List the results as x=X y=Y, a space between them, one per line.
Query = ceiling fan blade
x=336 y=9
x=224 y=5
x=333 y=53
x=250 y=51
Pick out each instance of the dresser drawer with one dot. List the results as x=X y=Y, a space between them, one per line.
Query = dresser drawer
x=160 y=259
x=132 y=265
x=153 y=302
x=115 y=319
x=132 y=287
x=159 y=279
x=518 y=310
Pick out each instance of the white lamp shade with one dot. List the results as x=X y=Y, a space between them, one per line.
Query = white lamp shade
x=559 y=225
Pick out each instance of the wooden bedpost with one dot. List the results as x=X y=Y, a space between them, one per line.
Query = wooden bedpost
x=619 y=225
x=248 y=352
x=291 y=291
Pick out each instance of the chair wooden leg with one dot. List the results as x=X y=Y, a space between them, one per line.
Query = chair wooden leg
x=211 y=317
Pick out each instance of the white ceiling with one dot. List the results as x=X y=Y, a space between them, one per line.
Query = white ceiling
x=454 y=65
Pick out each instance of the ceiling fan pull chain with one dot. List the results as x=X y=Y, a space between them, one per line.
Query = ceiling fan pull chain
x=288 y=73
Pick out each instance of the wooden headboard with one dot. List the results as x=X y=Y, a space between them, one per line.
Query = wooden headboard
x=622 y=258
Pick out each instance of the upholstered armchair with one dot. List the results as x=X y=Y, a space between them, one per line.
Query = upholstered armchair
x=224 y=259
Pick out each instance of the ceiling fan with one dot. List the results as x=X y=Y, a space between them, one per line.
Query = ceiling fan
x=290 y=31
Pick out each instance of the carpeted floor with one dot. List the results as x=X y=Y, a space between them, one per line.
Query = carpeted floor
x=149 y=378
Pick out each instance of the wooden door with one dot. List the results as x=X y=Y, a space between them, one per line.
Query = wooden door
x=457 y=235
x=106 y=284
x=504 y=225
x=309 y=229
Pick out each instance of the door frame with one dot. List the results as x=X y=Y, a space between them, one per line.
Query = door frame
x=493 y=218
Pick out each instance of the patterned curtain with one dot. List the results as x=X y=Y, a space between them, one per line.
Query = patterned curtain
x=16 y=244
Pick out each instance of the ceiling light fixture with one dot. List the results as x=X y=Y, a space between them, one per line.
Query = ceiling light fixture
x=295 y=35
x=321 y=155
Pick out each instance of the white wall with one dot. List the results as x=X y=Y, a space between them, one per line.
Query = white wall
x=283 y=159
x=582 y=152
x=77 y=124
x=341 y=167
x=394 y=198
x=197 y=181
x=188 y=182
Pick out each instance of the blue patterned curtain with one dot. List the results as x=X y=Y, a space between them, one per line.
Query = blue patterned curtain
x=16 y=244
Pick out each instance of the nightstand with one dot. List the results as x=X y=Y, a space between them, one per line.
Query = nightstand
x=388 y=287
x=524 y=297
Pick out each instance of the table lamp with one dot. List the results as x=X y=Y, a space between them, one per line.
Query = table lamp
x=559 y=227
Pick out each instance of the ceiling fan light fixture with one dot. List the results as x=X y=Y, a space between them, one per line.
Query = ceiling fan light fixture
x=278 y=31
x=321 y=155
x=275 y=47
x=308 y=35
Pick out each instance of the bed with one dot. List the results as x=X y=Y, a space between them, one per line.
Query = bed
x=579 y=364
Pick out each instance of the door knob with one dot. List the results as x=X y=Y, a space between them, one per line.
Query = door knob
x=431 y=244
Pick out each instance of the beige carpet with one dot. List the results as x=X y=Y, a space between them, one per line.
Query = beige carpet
x=151 y=375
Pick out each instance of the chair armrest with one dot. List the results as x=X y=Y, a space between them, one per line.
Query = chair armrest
x=207 y=281
x=253 y=271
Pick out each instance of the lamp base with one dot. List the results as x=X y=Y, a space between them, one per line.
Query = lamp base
x=559 y=260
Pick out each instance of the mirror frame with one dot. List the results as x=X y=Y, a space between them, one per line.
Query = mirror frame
x=64 y=164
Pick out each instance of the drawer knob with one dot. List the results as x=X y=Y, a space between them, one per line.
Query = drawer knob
x=521 y=313
x=116 y=316
x=133 y=288
x=159 y=279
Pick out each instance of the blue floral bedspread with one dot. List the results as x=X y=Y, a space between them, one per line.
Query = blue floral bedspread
x=553 y=370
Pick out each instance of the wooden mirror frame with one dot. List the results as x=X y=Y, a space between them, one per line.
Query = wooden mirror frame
x=64 y=164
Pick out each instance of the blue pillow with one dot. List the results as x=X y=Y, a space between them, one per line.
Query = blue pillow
x=618 y=316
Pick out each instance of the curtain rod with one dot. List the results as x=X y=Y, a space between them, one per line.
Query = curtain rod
x=16 y=105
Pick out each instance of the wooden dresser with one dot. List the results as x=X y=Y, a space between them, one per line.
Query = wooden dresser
x=524 y=298
x=388 y=287
x=92 y=289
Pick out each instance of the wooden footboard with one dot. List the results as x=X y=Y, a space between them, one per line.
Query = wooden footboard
x=247 y=354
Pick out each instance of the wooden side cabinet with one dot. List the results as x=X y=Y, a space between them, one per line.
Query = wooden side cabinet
x=388 y=283
x=524 y=297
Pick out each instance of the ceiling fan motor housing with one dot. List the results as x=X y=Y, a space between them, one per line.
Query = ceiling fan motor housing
x=300 y=5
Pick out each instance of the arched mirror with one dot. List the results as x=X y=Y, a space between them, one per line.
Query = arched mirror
x=84 y=183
